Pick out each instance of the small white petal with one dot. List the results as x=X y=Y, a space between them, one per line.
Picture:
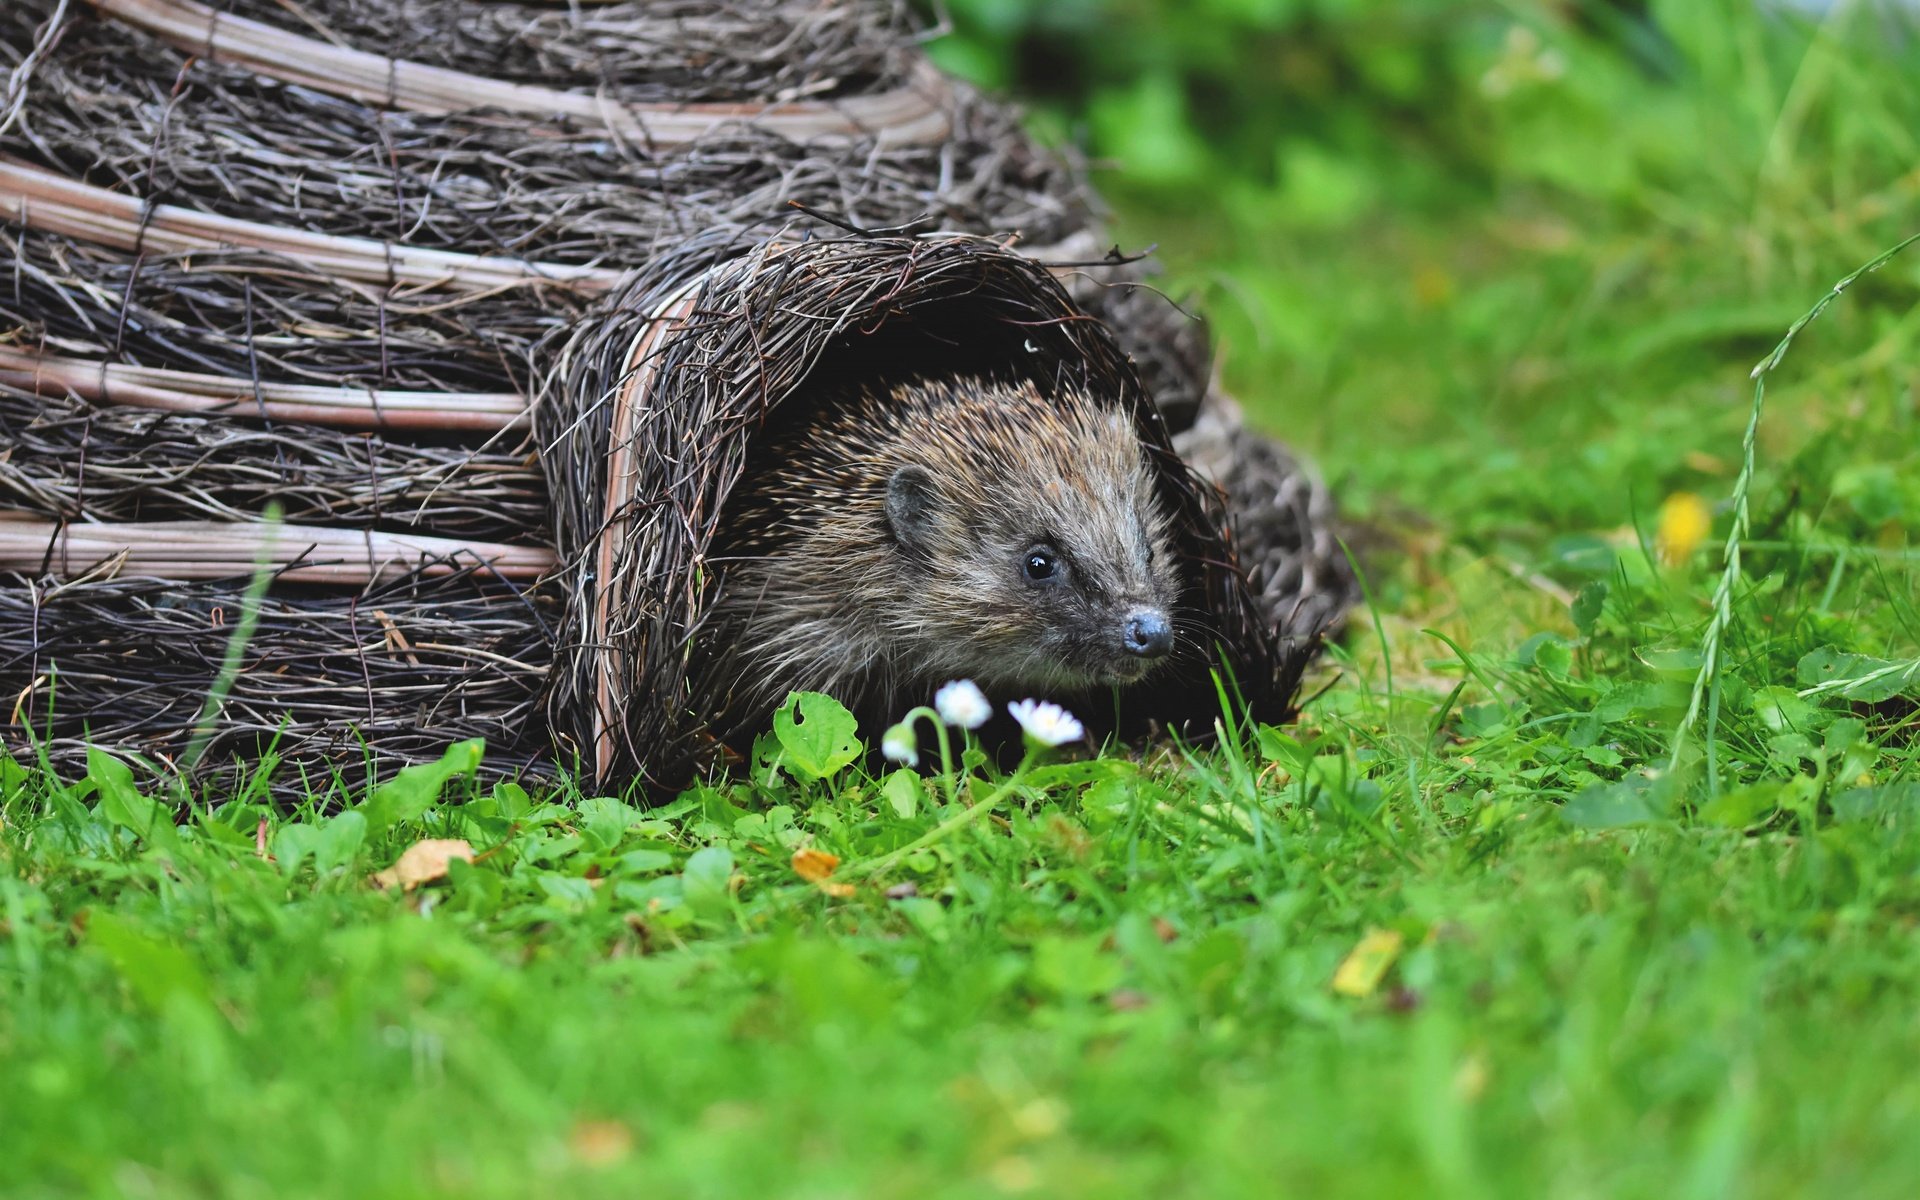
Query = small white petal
x=962 y=703
x=899 y=745
x=1046 y=722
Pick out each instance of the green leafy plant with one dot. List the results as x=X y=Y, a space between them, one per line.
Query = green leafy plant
x=817 y=733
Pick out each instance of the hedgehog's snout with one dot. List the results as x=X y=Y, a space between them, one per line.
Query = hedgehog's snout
x=1147 y=633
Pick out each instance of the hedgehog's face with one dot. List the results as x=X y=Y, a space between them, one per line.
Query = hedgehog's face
x=1057 y=573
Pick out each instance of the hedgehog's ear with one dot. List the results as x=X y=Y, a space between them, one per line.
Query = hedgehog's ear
x=912 y=496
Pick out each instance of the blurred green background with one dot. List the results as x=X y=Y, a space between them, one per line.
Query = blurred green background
x=1502 y=267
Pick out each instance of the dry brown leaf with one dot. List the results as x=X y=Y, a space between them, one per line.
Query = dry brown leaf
x=1128 y=1000
x=424 y=862
x=814 y=865
x=1706 y=464
x=600 y=1143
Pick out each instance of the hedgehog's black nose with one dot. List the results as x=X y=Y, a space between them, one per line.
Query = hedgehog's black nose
x=1148 y=634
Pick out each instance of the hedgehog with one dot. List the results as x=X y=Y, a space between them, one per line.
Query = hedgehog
x=954 y=528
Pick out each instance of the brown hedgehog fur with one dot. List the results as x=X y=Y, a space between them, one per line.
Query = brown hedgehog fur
x=943 y=529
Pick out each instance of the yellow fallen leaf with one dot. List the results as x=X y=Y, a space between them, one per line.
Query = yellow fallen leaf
x=814 y=865
x=1432 y=286
x=839 y=891
x=1041 y=1117
x=1367 y=963
x=1470 y=1081
x=1014 y=1174
x=1685 y=521
x=424 y=862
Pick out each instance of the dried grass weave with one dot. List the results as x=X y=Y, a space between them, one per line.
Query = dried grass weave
x=247 y=259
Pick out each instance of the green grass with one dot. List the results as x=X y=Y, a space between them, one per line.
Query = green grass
x=1616 y=974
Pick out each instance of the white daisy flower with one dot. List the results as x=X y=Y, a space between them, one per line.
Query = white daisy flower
x=962 y=703
x=899 y=745
x=1046 y=722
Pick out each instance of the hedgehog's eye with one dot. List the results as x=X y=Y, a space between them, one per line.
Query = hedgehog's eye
x=1041 y=564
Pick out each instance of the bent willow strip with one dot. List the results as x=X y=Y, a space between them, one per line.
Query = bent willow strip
x=55 y=204
x=916 y=114
x=217 y=550
x=188 y=392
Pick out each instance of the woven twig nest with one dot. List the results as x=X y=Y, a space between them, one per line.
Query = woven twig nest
x=650 y=415
x=321 y=258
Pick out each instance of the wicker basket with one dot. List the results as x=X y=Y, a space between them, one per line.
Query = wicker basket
x=255 y=262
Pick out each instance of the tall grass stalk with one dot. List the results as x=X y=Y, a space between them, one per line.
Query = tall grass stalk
x=1706 y=682
x=243 y=628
